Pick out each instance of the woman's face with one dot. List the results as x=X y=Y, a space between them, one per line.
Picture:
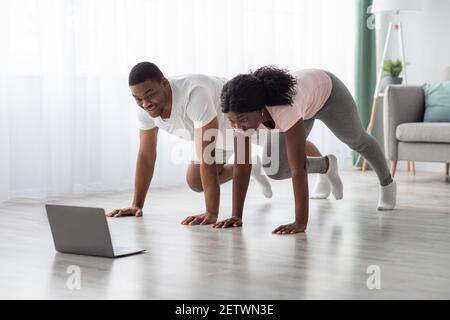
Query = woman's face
x=245 y=121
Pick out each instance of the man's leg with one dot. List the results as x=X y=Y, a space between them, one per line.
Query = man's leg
x=194 y=180
x=225 y=172
x=311 y=149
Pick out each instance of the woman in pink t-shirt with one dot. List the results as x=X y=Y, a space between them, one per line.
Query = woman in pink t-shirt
x=288 y=103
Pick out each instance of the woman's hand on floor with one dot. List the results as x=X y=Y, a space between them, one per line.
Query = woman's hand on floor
x=126 y=212
x=204 y=218
x=290 y=228
x=228 y=223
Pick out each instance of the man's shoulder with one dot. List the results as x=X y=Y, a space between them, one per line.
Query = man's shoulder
x=195 y=87
x=196 y=79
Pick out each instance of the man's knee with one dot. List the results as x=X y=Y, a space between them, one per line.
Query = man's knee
x=193 y=179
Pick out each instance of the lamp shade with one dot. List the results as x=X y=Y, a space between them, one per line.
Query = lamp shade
x=396 y=5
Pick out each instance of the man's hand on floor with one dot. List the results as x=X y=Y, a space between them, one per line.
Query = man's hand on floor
x=204 y=218
x=232 y=222
x=126 y=212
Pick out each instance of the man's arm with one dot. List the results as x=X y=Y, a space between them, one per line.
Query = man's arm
x=241 y=177
x=144 y=172
x=205 y=142
x=208 y=169
x=145 y=165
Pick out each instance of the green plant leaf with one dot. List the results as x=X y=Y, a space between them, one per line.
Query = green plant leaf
x=392 y=68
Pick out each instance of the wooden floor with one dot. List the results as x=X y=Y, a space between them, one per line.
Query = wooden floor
x=411 y=246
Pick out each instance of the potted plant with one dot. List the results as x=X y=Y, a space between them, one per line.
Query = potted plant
x=392 y=70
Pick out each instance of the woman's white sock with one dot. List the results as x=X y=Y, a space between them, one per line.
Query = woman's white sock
x=337 y=188
x=261 y=178
x=387 y=196
x=322 y=188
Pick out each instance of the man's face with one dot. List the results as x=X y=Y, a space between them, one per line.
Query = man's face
x=152 y=96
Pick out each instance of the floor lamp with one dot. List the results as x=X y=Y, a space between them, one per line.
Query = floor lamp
x=396 y=6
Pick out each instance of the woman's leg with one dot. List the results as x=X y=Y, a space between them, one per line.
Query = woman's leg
x=276 y=166
x=322 y=188
x=326 y=167
x=275 y=160
x=340 y=115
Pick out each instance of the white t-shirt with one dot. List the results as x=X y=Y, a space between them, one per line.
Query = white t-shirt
x=195 y=103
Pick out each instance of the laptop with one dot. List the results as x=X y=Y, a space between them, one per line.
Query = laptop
x=84 y=231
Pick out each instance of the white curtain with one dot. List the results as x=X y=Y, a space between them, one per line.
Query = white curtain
x=67 y=120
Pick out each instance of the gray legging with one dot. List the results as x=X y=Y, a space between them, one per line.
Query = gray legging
x=340 y=115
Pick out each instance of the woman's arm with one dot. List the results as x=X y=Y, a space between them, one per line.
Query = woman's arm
x=295 y=145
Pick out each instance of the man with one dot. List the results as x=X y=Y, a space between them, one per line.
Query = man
x=188 y=107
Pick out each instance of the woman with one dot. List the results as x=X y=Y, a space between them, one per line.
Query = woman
x=290 y=102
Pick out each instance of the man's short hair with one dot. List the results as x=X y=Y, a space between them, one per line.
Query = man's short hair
x=144 y=71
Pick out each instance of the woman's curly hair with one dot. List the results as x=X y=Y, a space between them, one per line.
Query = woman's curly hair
x=266 y=86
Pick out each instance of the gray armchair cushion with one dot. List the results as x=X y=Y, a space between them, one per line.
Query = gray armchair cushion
x=421 y=151
x=424 y=132
x=402 y=104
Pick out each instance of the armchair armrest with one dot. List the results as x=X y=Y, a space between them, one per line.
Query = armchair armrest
x=402 y=104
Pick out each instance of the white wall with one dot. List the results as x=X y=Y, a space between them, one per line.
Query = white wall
x=427 y=48
x=427 y=41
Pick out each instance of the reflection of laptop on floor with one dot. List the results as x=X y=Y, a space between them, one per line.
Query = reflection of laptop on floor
x=82 y=230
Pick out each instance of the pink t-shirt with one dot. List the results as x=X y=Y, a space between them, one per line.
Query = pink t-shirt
x=313 y=90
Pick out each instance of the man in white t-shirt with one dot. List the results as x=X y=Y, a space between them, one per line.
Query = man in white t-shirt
x=188 y=107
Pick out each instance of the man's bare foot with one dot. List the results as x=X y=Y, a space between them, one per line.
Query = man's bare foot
x=290 y=228
x=230 y=222
x=126 y=212
x=204 y=218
